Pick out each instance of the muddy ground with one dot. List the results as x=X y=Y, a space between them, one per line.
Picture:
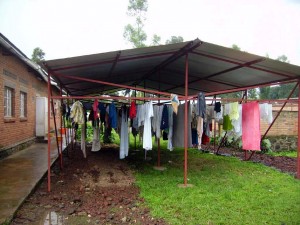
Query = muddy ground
x=101 y=190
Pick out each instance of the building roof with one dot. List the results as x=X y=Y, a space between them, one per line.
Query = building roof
x=12 y=49
x=211 y=69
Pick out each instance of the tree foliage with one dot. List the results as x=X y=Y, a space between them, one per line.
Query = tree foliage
x=279 y=91
x=174 y=39
x=156 y=40
x=135 y=33
x=37 y=55
x=236 y=47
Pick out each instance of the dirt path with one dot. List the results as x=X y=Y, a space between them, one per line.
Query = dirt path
x=96 y=190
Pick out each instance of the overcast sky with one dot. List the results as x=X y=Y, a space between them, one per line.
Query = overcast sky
x=66 y=28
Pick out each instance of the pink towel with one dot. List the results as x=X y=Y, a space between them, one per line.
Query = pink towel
x=251 y=126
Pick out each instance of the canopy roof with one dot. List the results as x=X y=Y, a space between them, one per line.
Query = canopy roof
x=211 y=69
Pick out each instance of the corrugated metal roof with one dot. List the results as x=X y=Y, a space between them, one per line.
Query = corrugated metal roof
x=212 y=68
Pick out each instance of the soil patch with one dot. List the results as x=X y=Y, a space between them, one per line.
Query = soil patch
x=282 y=163
x=96 y=190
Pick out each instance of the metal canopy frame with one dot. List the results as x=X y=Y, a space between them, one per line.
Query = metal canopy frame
x=214 y=69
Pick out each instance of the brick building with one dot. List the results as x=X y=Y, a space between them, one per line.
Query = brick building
x=21 y=83
x=286 y=123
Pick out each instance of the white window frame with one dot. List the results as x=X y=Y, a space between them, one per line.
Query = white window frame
x=8 y=101
x=23 y=104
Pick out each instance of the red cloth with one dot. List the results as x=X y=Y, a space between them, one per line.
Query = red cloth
x=251 y=126
x=132 y=110
x=95 y=109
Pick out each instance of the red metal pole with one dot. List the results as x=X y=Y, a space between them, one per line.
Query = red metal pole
x=61 y=125
x=298 y=155
x=55 y=126
x=49 y=138
x=243 y=88
x=186 y=120
x=290 y=95
x=112 y=97
x=113 y=84
x=158 y=145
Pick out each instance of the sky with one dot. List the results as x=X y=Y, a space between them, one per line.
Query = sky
x=67 y=28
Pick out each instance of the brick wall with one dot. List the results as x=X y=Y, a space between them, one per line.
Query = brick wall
x=286 y=123
x=15 y=73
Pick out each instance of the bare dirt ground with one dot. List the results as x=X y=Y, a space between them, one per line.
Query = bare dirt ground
x=281 y=163
x=96 y=190
x=101 y=190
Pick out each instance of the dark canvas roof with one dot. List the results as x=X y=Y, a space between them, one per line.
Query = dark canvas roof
x=212 y=68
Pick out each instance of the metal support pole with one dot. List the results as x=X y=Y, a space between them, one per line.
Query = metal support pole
x=298 y=155
x=61 y=126
x=186 y=121
x=49 y=137
x=55 y=128
x=135 y=135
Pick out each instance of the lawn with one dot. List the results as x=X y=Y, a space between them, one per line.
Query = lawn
x=285 y=153
x=226 y=190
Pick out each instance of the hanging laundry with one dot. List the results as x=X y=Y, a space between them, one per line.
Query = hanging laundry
x=147 y=136
x=77 y=112
x=170 y=133
x=194 y=126
x=234 y=111
x=199 y=131
x=83 y=140
x=217 y=107
x=201 y=105
x=132 y=111
x=164 y=118
x=87 y=105
x=113 y=116
x=96 y=109
x=237 y=124
x=227 y=108
x=156 y=120
x=227 y=125
x=178 y=127
x=266 y=113
x=96 y=146
x=141 y=114
x=102 y=110
x=218 y=115
x=174 y=102
x=124 y=137
x=251 y=126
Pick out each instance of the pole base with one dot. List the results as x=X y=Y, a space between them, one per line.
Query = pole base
x=185 y=185
x=160 y=168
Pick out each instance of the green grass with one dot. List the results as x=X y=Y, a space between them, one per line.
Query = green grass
x=284 y=153
x=226 y=190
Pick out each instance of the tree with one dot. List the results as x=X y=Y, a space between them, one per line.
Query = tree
x=252 y=94
x=174 y=39
x=283 y=58
x=234 y=46
x=279 y=91
x=37 y=55
x=135 y=33
x=156 y=40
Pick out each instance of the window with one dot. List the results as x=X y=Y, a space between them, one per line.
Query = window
x=8 y=102
x=23 y=104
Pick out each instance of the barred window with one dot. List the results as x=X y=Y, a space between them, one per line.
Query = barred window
x=9 y=102
x=23 y=104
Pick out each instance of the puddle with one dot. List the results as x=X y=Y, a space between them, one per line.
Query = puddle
x=53 y=218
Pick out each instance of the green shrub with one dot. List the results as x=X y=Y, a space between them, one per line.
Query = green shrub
x=265 y=146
